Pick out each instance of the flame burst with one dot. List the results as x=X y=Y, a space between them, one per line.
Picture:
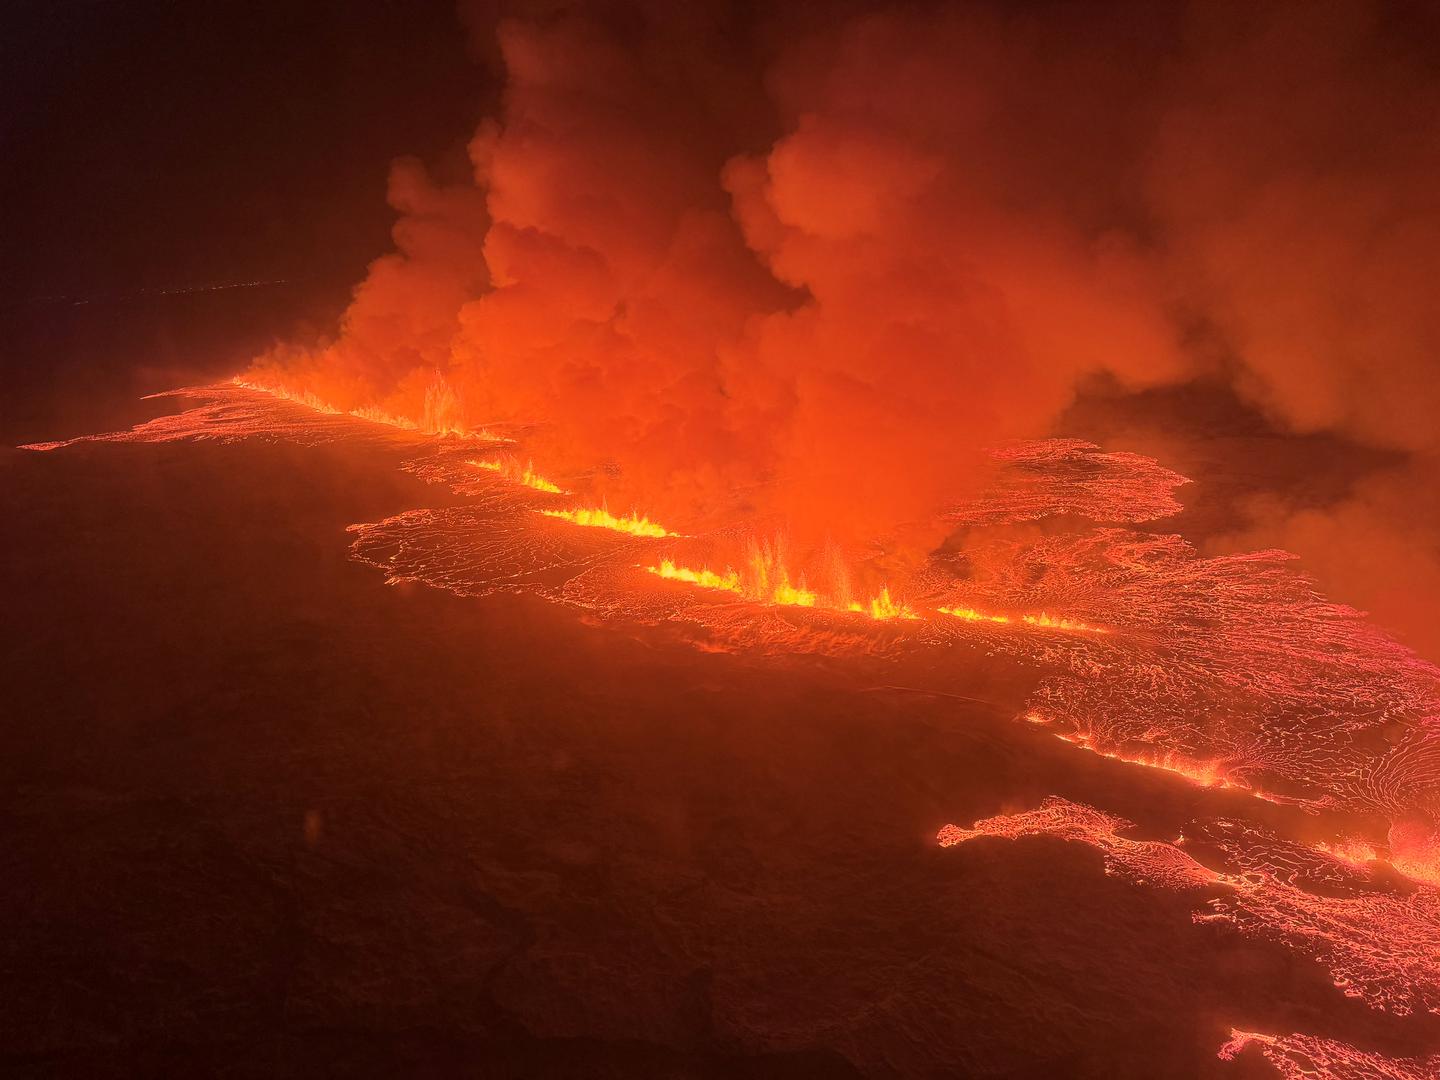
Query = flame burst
x=600 y=518
x=1212 y=668
x=526 y=476
x=1050 y=622
x=761 y=589
x=969 y=614
x=1043 y=620
x=704 y=578
x=438 y=416
x=882 y=607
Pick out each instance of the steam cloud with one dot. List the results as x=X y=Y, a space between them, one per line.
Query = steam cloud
x=806 y=264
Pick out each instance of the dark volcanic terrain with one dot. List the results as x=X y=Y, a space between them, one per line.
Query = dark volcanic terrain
x=265 y=815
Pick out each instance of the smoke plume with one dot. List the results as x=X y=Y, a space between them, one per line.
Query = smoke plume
x=803 y=265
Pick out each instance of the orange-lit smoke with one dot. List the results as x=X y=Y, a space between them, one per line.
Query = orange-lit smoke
x=1296 y=183
x=807 y=265
x=773 y=277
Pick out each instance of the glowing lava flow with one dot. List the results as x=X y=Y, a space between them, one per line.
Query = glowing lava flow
x=1307 y=1057
x=1380 y=941
x=439 y=411
x=1142 y=861
x=1043 y=620
x=1351 y=850
x=1228 y=671
x=1070 y=476
x=781 y=592
x=1203 y=773
x=300 y=397
x=526 y=476
x=231 y=412
x=971 y=615
x=1050 y=622
x=1232 y=663
x=634 y=524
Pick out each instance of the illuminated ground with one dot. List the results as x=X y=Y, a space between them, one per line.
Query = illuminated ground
x=269 y=812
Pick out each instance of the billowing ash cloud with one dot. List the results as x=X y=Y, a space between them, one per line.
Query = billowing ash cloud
x=1296 y=179
x=805 y=263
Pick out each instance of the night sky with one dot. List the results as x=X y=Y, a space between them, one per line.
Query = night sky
x=156 y=146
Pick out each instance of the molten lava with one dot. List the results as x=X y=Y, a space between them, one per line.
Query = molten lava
x=1050 y=622
x=971 y=615
x=768 y=578
x=632 y=523
x=1307 y=1057
x=706 y=579
x=526 y=476
x=760 y=588
x=437 y=417
x=1379 y=941
x=1042 y=620
x=1351 y=850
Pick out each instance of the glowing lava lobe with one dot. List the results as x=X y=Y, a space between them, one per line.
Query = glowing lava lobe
x=1050 y=622
x=769 y=580
x=1380 y=942
x=1307 y=1057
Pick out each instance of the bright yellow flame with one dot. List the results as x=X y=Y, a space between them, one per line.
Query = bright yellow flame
x=794 y=595
x=1043 y=620
x=705 y=578
x=882 y=607
x=1052 y=623
x=634 y=524
x=433 y=425
x=781 y=592
x=539 y=483
x=1204 y=773
x=527 y=476
x=971 y=615
x=770 y=580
